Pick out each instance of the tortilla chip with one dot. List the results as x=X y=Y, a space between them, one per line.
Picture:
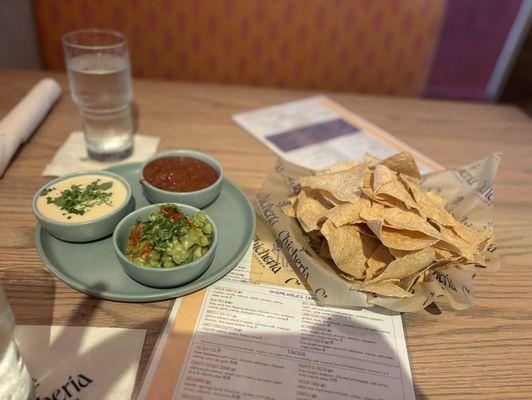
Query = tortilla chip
x=397 y=218
x=289 y=207
x=349 y=248
x=386 y=183
x=403 y=163
x=451 y=241
x=409 y=281
x=381 y=176
x=367 y=182
x=377 y=228
x=383 y=199
x=364 y=230
x=369 y=214
x=397 y=191
x=330 y=199
x=472 y=235
x=406 y=266
x=398 y=253
x=343 y=185
x=310 y=209
x=315 y=238
x=401 y=239
x=378 y=207
x=378 y=262
x=324 y=250
x=347 y=213
x=372 y=161
x=375 y=212
x=341 y=166
x=431 y=210
x=444 y=254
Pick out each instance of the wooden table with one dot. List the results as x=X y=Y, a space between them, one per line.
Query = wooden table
x=484 y=352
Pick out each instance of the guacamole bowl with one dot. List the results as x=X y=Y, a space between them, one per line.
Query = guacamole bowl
x=83 y=206
x=158 y=275
x=181 y=176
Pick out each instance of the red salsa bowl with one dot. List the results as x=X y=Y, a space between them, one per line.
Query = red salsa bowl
x=182 y=176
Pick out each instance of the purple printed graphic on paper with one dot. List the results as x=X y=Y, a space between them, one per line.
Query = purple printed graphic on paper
x=313 y=134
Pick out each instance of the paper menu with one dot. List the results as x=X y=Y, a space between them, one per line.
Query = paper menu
x=316 y=132
x=243 y=340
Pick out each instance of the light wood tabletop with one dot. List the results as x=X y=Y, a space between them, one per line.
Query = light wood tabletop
x=484 y=352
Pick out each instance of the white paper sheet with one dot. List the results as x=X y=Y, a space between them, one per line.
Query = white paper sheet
x=70 y=362
x=72 y=155
x=244 y=340
x=316 y=132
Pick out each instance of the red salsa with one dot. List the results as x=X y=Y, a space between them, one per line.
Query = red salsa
x=180 y=174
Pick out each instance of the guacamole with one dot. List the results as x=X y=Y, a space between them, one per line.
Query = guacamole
x=169 y=238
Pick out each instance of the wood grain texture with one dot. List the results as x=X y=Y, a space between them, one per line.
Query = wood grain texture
x=481 y=353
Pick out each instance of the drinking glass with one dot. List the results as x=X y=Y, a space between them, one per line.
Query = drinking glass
x=99 y=73
x=15 y=381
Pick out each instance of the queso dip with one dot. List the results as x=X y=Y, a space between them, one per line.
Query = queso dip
x=81 y=198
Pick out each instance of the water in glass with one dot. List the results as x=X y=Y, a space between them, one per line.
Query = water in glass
x=97 y=61
x=101 y=87
x=15 y=381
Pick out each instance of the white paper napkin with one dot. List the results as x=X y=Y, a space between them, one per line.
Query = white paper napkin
x=19 y=124
x=71 y=362
x=72 y=155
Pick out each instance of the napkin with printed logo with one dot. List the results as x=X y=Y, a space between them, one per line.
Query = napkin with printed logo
x=71 y=362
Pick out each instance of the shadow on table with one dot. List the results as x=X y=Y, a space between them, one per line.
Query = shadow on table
x=335 y=355
x=31 y=294
x=360 y=360
x=70 y=339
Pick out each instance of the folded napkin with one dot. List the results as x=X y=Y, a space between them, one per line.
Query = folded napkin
x=19 y=124
x=72 y=155
x=81 y=362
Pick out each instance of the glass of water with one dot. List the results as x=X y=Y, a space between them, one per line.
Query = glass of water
x=15 y=380
x=97 y=61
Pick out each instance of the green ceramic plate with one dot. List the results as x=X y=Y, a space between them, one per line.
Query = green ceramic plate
x=93 y=268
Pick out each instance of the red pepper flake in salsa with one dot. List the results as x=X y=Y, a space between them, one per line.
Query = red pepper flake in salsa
x=180 y=174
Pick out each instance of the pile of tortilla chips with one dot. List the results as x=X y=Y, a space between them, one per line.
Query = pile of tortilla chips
x=379 y=229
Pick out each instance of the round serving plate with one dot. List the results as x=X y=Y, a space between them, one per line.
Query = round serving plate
x=93 y=267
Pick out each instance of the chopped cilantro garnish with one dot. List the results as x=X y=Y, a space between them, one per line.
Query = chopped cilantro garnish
x=77 y=200
x=45 y=191
x=169 y=238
